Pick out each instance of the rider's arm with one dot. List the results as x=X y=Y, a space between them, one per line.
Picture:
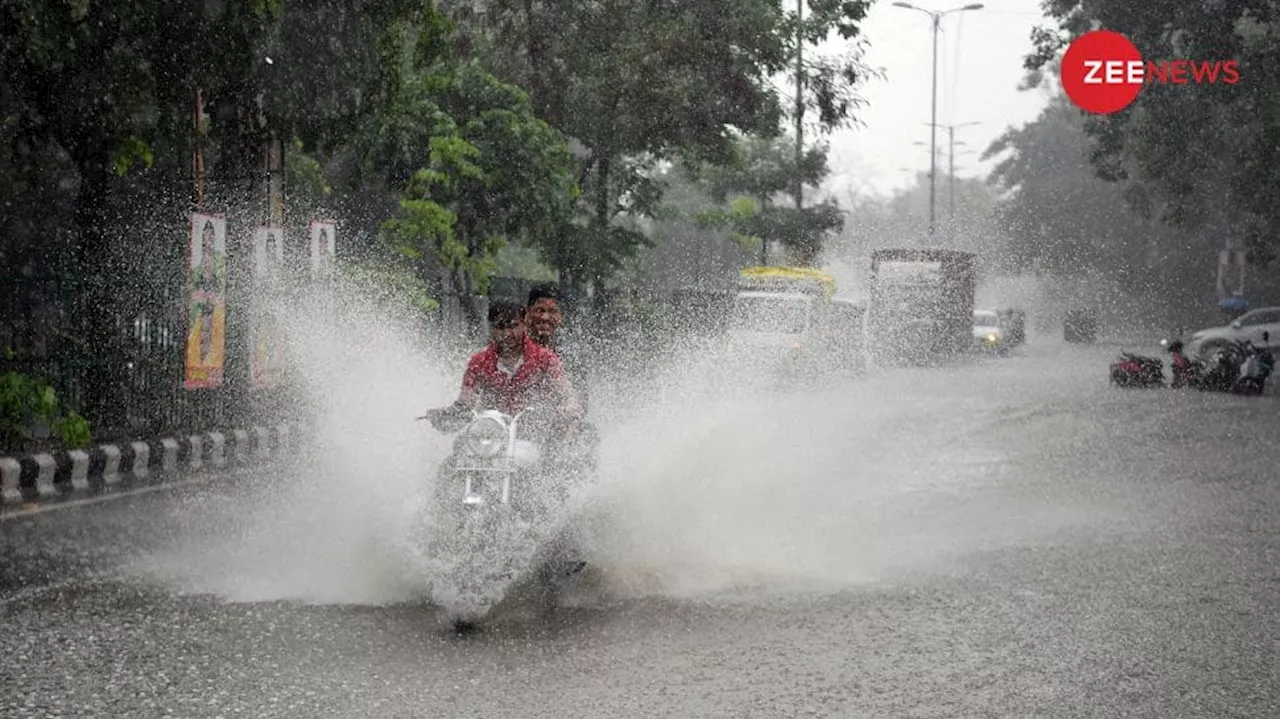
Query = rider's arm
x=567 y=397
x=470 y=387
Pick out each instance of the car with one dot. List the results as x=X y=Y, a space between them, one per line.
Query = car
x=1248 y=326
x=988 y=335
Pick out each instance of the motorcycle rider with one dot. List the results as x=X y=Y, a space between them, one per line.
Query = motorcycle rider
x=545 y=319
x=511 y=373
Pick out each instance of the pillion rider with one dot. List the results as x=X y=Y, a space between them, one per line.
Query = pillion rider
x=545 y=318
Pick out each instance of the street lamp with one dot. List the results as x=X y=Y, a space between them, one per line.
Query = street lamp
x=936 y=19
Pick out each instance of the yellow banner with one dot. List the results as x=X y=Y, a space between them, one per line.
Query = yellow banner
x=206 y=301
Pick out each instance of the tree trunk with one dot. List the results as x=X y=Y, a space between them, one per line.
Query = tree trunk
x=603 y=212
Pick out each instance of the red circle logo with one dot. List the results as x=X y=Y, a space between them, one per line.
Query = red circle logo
x=1102 y=72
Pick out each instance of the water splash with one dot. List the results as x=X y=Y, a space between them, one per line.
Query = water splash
x=712 y=478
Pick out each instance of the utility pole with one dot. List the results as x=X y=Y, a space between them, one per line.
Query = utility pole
x=951 y=171
x=936 y=22
x=798 y=190
x=933 y=134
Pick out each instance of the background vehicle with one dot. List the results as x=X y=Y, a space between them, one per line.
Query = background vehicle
x=1187 y=371
x=988 y=335
x=1257 y=367
x=1013 y=322
x=1222 y=367
x=920 y=303
x=788 y=320
x=1247 y=327
x=1132 y=370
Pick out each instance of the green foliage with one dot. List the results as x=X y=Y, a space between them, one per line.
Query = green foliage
x=523 y=261
x=758 y=171
x=26 y=403
x=132 y=152
x=1062 y=221
x=1199 y=156
x=636 y=82
x=304 y=174
x=73 y=431
x=392 y=280
x=492 y=172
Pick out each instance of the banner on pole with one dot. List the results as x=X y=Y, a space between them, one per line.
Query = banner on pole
x=266 y=342
x=206 y=301
x=323 y=244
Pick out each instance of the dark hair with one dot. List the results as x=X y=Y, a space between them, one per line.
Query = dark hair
x=504 y=310
x=546 y=291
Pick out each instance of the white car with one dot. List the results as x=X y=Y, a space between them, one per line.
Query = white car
x=1248 y=326
x=987 y=333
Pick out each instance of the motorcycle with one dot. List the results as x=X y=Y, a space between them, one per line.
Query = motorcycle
x=1254 y=371
x=1131 y=370
x=498 y=517
x=1223 y=368
x=1187 y=371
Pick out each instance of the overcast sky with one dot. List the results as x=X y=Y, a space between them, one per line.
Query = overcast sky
x=980 y=55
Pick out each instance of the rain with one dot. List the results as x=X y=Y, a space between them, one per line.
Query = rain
x=717 y=358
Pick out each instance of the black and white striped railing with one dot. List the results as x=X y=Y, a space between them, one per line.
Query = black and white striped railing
x=76 y=474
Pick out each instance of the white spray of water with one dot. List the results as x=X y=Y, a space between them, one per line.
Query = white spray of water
x=332 y=527
x=710 y=478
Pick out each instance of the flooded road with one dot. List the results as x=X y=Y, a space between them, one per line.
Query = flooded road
x=1011 y=537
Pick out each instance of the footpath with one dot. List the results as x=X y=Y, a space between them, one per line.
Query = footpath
x=33 y=482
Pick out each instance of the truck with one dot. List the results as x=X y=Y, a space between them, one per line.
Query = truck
x=920 y=304
x=789 y=320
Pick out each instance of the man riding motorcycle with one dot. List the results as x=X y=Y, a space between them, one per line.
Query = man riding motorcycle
x=514 y=372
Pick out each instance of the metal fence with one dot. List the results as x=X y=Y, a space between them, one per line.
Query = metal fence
x=143 y=362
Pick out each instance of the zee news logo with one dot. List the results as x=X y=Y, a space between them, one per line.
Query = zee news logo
x=1103 y=72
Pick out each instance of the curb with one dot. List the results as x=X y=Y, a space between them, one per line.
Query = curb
x=107 y=468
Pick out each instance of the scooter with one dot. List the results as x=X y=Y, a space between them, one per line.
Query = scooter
x=1187 y=371
x=1256 y=368
x=1223 y=368
x=1132 y=370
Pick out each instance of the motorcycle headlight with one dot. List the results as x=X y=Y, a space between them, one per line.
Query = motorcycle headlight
x=486 y=437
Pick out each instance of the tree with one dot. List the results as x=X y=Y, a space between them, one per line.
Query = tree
x=112 y=85
x=762 y=170
x=1199 y=156
x=636 y=82
x=476 y=168
x=1065 y=222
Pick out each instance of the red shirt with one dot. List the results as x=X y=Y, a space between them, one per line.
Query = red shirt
x=537 y=379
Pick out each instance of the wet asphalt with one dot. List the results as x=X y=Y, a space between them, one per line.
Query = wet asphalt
x=1010 y=537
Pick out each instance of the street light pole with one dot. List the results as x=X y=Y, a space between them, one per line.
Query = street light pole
x=936 y=22
x=951 y=182
x=933 y=132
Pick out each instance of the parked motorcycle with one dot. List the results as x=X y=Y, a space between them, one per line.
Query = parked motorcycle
x=498 y=517
x=1256 y=368
x=1132 y=370
x=1187 y=371
x=1223 y=367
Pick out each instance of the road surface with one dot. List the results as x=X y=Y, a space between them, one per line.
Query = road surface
x=1006 y=538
